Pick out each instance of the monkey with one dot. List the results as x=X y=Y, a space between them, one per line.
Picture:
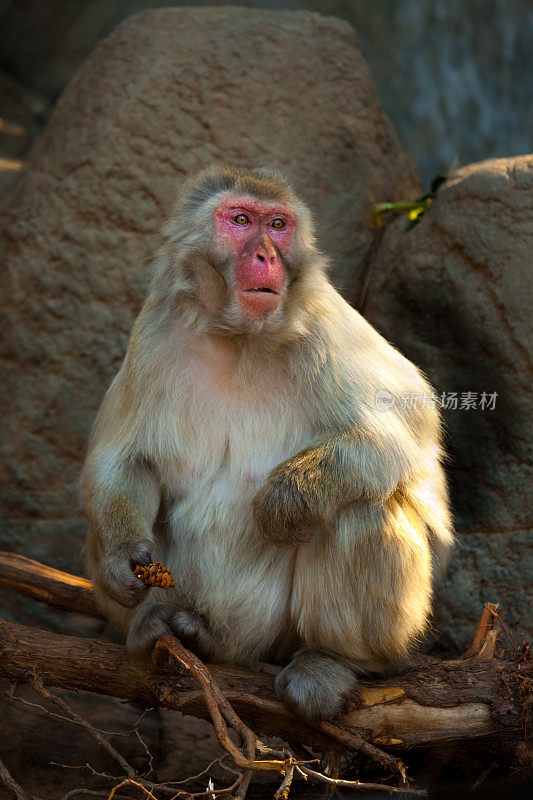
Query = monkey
x=242 y=444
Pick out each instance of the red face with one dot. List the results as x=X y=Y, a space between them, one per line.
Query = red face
x=258 y=233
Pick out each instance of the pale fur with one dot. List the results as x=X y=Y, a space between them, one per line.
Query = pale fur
x=204 y=409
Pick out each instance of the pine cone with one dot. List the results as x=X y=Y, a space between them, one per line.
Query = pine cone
x=155 y=574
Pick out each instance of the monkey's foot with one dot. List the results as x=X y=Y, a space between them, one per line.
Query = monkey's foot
x=315 y=684
x=153 y=621
x=193 y=633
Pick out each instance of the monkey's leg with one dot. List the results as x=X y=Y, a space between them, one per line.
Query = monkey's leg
x=315 y=683
x=361 y=595
x=156 y=619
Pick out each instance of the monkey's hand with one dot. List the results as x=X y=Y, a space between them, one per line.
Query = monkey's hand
x=284 y=511
x=308 y=489
x=116 y=574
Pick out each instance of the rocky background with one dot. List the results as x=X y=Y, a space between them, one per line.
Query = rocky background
x=454 y=77
x=167 y=91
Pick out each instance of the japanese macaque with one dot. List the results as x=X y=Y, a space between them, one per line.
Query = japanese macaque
x=243 y=444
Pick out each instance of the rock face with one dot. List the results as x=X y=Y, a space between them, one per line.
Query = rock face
x=450 y=75
x=455 y=294
x=167 y=92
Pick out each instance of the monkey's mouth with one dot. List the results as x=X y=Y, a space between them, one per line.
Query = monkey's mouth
x=259 y=301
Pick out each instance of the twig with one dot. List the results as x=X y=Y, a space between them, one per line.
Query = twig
x=90 y=792
x=485 y=624
x=353 y=741
x=221 y=711
x=12 y=786
x=218 y=707
x=131 y=782
x=172 y=646
x=358 y=786
x=15 y=698
x=487 y=649
x=330 y=766
x=141 y=741
x=169 y=787
x=370 y=262
x=511 y=639
x=484 y=775
x=38 y=686
x=88 y=766
x=283 y=791
x=243 y=784
x=203 y=772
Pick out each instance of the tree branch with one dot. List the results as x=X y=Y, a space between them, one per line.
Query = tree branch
x=48 y=585
x=438 y=701
x=430 y=702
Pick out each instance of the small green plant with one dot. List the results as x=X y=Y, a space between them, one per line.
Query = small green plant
x=415 y=209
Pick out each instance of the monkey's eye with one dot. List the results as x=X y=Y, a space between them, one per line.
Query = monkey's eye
x=241 y=219
x=278 y=224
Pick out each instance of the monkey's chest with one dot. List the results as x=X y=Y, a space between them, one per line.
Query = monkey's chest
x=226 y=443
x=211 y=488
x=223 y=567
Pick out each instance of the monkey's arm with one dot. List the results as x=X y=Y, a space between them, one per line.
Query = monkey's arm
x=337 y=470
x=121 y=498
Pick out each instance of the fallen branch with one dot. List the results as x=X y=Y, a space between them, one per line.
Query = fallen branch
x=48 y=651
x=439 y=701
x=433 y=702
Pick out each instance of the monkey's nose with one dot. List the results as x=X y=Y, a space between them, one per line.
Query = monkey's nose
x=267 y=258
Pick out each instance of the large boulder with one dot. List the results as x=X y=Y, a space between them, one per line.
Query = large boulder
x=167 y=92
x=455 y=294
